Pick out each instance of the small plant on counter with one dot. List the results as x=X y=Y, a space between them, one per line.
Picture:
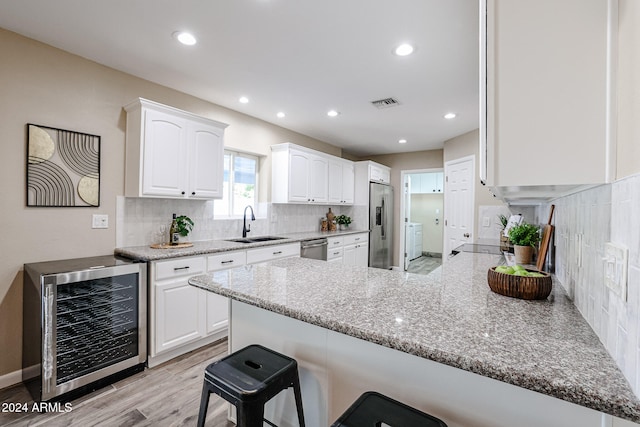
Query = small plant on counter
x=343 y=220
x=503 y=220
x=524 y=234
x=185 y=225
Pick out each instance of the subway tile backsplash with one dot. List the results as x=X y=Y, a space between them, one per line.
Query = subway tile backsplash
x=143 y=221
x=585 y=222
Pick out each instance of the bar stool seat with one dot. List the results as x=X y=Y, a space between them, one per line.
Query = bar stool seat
x=248 y=379
x=373 y=409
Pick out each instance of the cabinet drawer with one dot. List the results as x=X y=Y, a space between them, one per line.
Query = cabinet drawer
x=272 y=252
x=333 y=253
x=179 y=267
x=351 y=239
x=335 y=242
x=226 y=260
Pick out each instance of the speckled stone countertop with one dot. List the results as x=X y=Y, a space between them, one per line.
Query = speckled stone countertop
x=449 y=316
x=146 y=253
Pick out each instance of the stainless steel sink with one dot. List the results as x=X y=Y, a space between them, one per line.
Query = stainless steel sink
x=255 y=239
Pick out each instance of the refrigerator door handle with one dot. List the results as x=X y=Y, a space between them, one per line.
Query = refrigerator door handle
x=382 y=221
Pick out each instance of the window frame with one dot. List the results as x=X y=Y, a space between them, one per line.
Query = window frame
x=230 y=201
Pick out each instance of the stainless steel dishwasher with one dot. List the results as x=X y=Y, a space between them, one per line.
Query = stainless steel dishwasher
x=315 y=249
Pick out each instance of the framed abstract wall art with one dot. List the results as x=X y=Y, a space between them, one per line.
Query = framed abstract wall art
x=63 y=168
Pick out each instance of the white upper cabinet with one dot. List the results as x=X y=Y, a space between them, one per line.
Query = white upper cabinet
x=302 y=175
x=545 y=100
x=171 y=153
x=341 y=182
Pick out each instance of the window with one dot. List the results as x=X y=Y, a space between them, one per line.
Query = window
x=240 y=184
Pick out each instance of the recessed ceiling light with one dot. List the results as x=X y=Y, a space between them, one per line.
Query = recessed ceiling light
x=332 y=113
x=185 y=38
x=402 y=141
x=404 y=50
x=280 y=115
x=450 y=116
x=243 y=99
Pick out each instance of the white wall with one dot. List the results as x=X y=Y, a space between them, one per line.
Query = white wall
x=608 y=213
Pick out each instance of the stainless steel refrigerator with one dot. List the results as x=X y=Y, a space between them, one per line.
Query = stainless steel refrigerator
x=380 y=225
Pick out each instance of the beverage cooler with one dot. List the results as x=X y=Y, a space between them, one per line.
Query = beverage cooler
x=84 y=324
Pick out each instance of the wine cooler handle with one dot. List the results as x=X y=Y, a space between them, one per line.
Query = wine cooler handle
x=48 y=347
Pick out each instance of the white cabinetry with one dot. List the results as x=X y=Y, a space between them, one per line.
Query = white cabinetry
x=341 y=182
x=427 y=183
x=178 y=312
x=302 y=175
x=269 y=253
x=349 y=249
x=171 y=153
x=546 y=94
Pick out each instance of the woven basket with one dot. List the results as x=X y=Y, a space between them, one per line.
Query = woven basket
x=522 y=287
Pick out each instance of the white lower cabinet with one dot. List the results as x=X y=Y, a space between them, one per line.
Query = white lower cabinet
x=350 y=249
x=182 y=317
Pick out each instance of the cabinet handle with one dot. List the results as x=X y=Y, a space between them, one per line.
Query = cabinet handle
x=227 y=262
x=193 y=193
x=183 y=193
x=336 y=253
x=277 y=252
x=356 y=239
x=181 y=268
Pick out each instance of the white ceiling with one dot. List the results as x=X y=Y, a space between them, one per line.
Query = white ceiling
x=302 y=57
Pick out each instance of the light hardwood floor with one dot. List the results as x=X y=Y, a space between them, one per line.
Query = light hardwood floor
x=167 y=395
x=424 y=265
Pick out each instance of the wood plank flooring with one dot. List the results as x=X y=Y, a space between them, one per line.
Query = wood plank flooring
x=167 y=395
x=424 y=265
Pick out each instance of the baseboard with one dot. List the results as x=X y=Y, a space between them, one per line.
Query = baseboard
x=12 y=378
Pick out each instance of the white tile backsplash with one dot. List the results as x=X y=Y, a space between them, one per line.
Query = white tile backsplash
x=143 y=221
x=584 y=223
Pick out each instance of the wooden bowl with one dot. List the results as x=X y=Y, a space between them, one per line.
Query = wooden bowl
x=522 y=287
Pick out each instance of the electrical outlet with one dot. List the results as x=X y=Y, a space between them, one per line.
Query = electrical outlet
x=616 y=259
x=100 y=221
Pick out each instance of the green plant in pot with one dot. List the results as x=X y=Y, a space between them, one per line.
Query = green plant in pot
x=185 y=225
x=524 y=237
x=343 y=221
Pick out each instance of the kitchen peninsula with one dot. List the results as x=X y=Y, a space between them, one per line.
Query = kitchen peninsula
x=443 y=343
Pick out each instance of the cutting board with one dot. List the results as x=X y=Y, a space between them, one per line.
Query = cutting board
x=544 y=243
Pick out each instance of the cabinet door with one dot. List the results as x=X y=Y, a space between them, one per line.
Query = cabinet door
x=439 y=182
x=299 y=164
x=165 y=151
x=180 y=314
x=206 y=160
x=272 y=252
x=335 y=182
x=217 y=312
x=348 y=183
x=362 y=254
x=318 y=180
x=349 y=255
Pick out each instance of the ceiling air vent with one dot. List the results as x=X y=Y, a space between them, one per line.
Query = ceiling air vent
x=385 y=103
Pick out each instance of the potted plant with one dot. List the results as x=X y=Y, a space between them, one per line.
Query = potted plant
x=185 y=225
x=343 y=221
x=524 y=238
x=504 y=240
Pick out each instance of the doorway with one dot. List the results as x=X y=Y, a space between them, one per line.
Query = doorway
x=421 y=210
x=459 y=202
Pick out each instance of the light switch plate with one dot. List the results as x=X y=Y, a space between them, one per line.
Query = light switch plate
x=616 y=259
x=100 y=221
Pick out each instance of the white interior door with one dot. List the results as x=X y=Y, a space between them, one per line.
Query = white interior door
x=407 y=219
x=459 y=202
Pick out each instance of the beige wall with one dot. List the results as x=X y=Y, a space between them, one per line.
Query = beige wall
x=399 y=162
x=463 y=146
x=628 y=151
x=423 y=210
x=43 y=85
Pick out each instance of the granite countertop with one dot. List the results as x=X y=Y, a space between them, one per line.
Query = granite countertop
x=449 y=316
x=146 y=253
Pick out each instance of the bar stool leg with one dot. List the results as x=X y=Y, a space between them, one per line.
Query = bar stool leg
x=204 y=404
x=249 y=415
x=298 y=395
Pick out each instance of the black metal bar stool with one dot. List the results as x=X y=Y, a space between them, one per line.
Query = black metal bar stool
x=248 y=379
x=374 y=409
